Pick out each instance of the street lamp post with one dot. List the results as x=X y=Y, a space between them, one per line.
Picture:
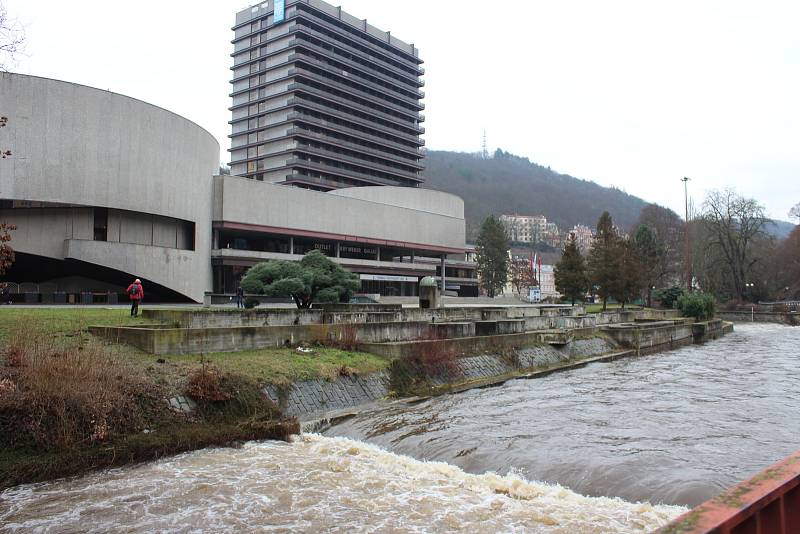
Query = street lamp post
x=685 y=181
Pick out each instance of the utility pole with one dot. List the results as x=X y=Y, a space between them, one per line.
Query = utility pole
x=685 y=181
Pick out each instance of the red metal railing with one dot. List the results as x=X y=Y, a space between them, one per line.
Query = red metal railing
x=768 y=503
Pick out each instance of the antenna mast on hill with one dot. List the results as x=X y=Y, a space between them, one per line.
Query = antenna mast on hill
x=485 y=150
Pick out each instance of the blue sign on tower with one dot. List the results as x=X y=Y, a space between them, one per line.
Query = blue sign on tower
x=279 y=11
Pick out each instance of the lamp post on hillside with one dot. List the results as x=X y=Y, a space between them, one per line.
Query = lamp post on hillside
x=685 y=181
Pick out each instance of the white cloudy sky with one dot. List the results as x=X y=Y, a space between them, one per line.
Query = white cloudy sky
x=634 y=94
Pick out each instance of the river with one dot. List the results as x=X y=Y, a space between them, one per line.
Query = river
x=672 y=428
x=675 y=427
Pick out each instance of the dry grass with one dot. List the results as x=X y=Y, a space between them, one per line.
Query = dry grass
x=58 y=394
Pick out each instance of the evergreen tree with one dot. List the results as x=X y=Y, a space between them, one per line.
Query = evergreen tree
x=605 y=260
x=572 y=280
x=651 y=252
x=630 y=275
x=314 y=278
x=492 y=252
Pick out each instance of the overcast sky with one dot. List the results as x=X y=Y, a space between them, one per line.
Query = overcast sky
x=635 y=94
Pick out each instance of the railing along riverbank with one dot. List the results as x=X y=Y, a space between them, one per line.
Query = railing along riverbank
x=768 y=503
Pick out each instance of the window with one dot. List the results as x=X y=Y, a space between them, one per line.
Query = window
x=251 y=166
x=252 y=138
x=101 y=224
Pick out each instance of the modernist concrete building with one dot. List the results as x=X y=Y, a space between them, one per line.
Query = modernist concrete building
x=104 y=188
x=323 y=100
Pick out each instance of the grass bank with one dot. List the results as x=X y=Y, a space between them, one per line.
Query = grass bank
x=70 y=403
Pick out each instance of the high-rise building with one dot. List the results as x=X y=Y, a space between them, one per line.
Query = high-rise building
x=323 y=100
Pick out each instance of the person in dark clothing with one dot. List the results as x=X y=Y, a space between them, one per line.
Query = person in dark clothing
x=239 y=297
x=5 y=294
x=136 y=294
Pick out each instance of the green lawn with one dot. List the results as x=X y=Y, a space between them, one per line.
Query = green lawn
x=64 y=321
x=273 y=365
x=281 y=366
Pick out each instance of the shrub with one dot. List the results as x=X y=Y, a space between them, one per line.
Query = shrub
x=56 y=394
x=250 y=303
x=698 y=305
x=432 y=358
x=668 y=296
x=204 y=385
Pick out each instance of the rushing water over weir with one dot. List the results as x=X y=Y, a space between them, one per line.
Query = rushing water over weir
x=673 y=428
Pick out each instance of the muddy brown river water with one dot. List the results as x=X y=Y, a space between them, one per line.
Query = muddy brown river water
x=672 y=429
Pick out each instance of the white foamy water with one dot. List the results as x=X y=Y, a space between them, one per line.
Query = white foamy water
x=315 y=484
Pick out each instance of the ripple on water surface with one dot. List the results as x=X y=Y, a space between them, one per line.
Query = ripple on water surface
x=675 y=427
x=315 y=484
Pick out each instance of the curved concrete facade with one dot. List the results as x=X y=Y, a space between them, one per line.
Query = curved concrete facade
x=80 y=154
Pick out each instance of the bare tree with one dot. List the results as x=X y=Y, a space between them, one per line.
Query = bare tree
x=733 y=225
x=6 y=251
x=12 y=39
x=522 y=277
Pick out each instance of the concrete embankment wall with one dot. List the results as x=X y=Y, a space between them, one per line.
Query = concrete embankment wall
x=787 y=318
x=317 y=398
x=646 y=338
x=159 y=340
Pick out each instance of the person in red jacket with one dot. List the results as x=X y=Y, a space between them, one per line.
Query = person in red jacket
x=136 y=294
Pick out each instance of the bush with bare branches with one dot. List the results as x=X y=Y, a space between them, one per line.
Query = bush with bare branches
x=59 y=395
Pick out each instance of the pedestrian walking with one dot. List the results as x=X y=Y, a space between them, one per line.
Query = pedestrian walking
x=136 y=294
x=239 y=297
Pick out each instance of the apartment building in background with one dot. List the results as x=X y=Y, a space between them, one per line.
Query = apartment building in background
x=531 y=229
x=324 y=100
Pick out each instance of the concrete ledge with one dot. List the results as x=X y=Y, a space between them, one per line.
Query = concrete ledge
x=167 y=340
x=787 y=318
x=469 y=345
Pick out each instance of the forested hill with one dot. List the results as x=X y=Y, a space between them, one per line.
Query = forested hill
x=509 y=184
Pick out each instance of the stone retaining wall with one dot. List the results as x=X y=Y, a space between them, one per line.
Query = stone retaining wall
x=316 y=398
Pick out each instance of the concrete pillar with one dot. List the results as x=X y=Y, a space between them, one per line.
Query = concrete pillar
x=412 y=256
x=215 y=239
x=378 y=256
x=338 y=245
x=291 y=245
x=444 y=276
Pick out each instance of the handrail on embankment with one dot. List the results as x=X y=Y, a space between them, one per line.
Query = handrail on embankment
x=768 y=503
